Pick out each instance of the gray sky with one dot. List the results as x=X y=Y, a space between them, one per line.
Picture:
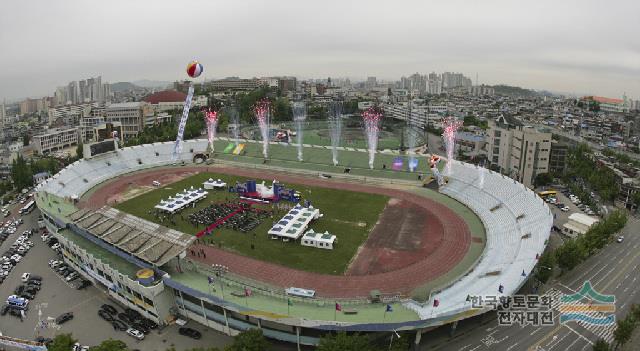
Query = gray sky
x=561 y=45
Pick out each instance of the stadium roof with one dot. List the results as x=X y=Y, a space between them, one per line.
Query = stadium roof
x=166 y=96
x=145 y=240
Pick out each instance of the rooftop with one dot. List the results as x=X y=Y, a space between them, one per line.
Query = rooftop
x=147 y=241
x=121 y=265
x=166 y=96
x=583 y=219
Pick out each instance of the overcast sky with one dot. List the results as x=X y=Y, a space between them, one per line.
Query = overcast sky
x=560 y=45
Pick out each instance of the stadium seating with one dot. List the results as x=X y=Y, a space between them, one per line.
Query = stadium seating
x=512 y=243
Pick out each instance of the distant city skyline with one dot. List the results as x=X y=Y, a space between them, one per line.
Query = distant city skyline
x=582 y=47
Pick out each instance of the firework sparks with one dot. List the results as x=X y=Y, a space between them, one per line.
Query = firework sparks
x=451 y=126
x=371 y=118
x=211 y=119
x=262 y=112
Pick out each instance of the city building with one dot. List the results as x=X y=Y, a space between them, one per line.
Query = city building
x=516 y=150
x=480 y=90
x=530 y=154
x=166 y=100
x=578 y=224
x=54 y=140
x=287 y=84
x=453 y=80
x=235 y=83
x=558 y=158
x=107 y=131
x=607 y=104
x=69 y=114
x=131 y=116
x=371 y=82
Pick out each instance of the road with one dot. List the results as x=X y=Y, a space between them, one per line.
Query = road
x=614 y=270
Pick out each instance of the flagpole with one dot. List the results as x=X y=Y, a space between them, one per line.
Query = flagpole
x=335 y=310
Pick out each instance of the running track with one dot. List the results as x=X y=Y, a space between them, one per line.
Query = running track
x=455 y=240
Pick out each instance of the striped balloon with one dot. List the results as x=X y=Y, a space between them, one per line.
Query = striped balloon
x=194 y=69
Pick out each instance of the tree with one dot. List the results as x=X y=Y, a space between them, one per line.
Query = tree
x=343 y=342
x=543 y=179
x=623 y=332
x=21 y=173
x=80 y=150
x=569 y=255
x=62 y=342
x=25 y=139
x=545 y=267
x=249 y=340
x=601 y=345
x=110 y=345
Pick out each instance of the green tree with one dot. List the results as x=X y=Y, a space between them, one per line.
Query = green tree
x=110 y=345
x=545 y=267
x=343 y=342
x=249 y=340
x=601 y=345
x=79 y=150
x=62 y=342
x=623 y=332
x=543 y=179
x=569 y=255
x=25 y=139
x=21 y=173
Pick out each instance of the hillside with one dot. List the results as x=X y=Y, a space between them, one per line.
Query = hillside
x=513 y=91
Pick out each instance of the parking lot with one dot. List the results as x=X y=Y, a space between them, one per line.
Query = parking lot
x=57 y=297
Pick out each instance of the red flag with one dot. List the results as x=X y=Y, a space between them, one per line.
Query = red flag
x=436 y=303
x=338 y=307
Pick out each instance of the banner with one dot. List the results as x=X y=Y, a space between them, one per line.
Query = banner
x=183 y=122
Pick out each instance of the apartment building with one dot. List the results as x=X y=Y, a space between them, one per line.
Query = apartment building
x=54 y=140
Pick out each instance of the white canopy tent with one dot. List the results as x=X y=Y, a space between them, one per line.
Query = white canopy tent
x=294 y=223
x=181 y=200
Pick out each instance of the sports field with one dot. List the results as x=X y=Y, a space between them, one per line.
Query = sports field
x=349 y=215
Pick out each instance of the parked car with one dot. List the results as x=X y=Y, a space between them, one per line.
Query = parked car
x=65 y=317
x=192 y=333
x=83 y=284
x=135 y=333
x=110 y=309
x=125 y=318
x=25 y=277
x=35 y=278
x=105 y=315
x=119 y=325
x=620 y=239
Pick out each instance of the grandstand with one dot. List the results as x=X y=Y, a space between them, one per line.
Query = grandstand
x=517 y=224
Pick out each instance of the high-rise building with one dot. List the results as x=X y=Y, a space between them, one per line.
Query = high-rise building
x=55 y=139
x=60 y=96
x=516 y=150
x=3 y=113
x=371 y=82
x=72 y=93
x=453 y=80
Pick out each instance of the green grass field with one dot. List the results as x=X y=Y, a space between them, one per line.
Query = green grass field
x=348 y=215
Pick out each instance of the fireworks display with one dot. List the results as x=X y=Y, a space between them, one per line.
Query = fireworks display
x=211 y=119
x=299 y=115
x=262 y=112
x=451 y=126
x=335 y=127
x=371 y=118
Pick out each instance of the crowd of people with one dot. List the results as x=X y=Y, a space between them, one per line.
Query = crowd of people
x=244 y=220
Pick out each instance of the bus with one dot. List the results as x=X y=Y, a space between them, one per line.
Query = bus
x=546 y=193
x=28 y=208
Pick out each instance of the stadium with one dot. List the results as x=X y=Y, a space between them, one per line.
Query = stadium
x=420 y=252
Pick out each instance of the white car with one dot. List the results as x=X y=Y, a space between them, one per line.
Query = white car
x=620 y=239
x=55 y=246
x=565 y=209
x=25 y=277
x=16 y=257
x=135 y=333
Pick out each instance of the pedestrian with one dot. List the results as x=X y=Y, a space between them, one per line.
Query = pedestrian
x=204 y=255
